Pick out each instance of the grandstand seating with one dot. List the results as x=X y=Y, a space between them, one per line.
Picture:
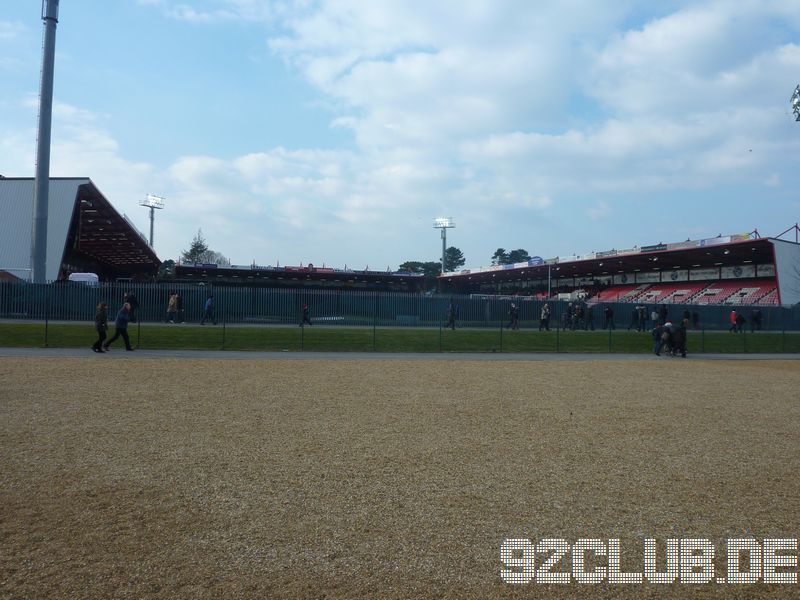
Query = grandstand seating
x=619 y=293
x=669 y=293
x=769 y=299
x=733 y=292
x=751 y=293
x=718 y=292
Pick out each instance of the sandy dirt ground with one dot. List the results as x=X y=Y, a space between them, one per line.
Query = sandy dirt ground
x=201 y=478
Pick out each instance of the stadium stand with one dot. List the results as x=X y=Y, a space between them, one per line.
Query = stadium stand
x=751 y=292
x=620 y=293
x=769 y=299
x=669 y=293
x=717 y=293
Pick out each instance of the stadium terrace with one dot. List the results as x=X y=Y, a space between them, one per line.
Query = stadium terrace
x=733 y=269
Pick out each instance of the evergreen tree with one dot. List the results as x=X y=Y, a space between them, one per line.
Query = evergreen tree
x=500 y=257
x=453 y=259
x=196 y=251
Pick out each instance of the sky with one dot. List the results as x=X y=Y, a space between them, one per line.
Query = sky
x=335 y=131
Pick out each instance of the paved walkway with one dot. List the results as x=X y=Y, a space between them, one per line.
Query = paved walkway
x=121 y=354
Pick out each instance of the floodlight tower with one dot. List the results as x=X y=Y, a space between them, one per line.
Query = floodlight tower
x=444 y=223
x=153 y=203
x=41 y=191
x=796 y=103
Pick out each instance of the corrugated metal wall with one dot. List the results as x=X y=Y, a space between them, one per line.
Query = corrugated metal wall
x=16 y=208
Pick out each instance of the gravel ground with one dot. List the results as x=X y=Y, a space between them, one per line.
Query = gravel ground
x=353 y=478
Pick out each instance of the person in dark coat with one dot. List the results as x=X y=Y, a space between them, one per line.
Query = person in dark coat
x=121 y=328
x=658 y=339
x=634 y=319
x=131 y=299
x=641 y=325
x=450 y=313
x=306 y=318
x=100 y=326
x=589 y=324
x=678 y=340
x=609 y=315
x=755 y=320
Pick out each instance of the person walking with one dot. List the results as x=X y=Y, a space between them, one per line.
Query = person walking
x=514 y=316
x=172 y=307
x=100 y=326
x=179 y=306
x=544 y=318
x=608 y=312
x=589 y=318
x=133 y=302
x=208 y=311
x=658 y=337
x=306 y=318
x=732 y=318
x=450 y=314
x=121 y=328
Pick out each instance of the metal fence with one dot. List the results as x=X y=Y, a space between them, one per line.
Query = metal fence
x=257 y=305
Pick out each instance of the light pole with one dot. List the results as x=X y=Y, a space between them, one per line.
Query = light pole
x=444 y=223
x=796 y=103
x=41 y=191
x=152 y=202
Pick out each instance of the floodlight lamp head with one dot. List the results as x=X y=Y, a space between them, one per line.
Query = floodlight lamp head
x=152 y=201
x=443 y=223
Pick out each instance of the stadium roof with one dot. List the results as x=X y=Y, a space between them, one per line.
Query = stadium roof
x=659 y=257
x=292 y=276
x=83 y=230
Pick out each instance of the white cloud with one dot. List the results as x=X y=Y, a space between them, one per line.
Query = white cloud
x=217 y=11
x=11 y=30
x=600 y=210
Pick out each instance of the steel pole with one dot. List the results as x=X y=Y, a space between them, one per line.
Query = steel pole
x=42 y=183
x=152 y=219
x=444 y=246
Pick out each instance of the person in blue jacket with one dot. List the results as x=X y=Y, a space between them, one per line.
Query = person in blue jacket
x=121 y=328
x=208 y=311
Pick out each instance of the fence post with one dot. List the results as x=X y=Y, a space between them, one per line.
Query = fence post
x=440 y=335
x=138 y=332
x=609 y=341
x=703 y=340
x=558 y=337
x=501 y=336
x=302 y=337
x=223 y=332
x=46 y=316
x=375 y=323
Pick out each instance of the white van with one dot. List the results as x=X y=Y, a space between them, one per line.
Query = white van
x=84 y=278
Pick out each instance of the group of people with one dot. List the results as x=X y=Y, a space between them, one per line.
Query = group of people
x=175 y=310
x=671 y=338
x=125 y=315
x=737 y=321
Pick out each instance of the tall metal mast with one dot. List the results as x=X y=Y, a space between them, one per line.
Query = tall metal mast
x=42 y=183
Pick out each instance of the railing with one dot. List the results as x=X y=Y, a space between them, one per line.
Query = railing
x=258 y=305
